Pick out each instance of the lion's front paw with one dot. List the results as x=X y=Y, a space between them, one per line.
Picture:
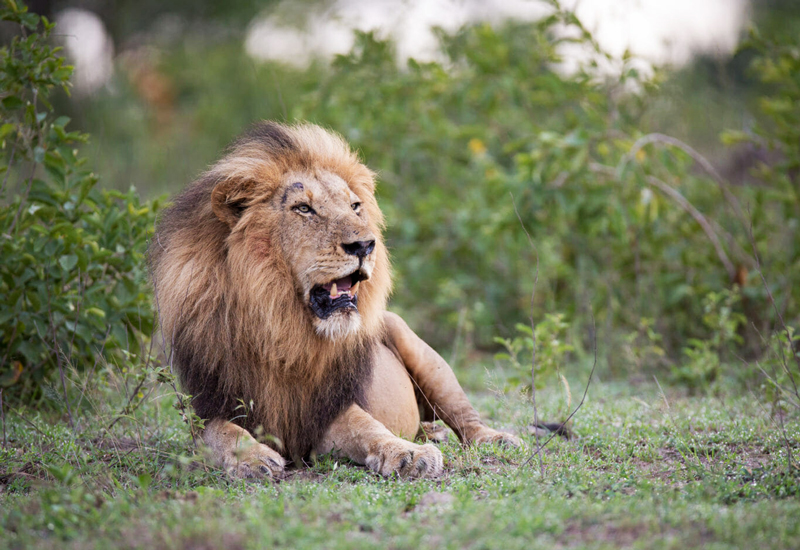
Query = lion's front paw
x=488 y=435
x=406 y=459
x=254 y=460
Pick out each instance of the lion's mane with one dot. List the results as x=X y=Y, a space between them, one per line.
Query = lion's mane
x=228 y=303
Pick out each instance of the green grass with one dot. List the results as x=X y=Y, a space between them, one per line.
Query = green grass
x=646 y=470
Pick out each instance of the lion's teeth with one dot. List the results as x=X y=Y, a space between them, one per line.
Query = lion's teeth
x=334 y=291
x=354 y=288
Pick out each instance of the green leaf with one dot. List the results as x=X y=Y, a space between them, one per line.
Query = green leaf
x=68 y=261
x=6 y=129
x=12 y=103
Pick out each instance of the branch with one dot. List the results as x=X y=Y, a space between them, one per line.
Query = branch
x=697 y=157
x=538 y=450
x=675 y=195
x=533 y=334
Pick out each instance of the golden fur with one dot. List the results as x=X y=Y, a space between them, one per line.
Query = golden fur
x=227 y=297
x=236 y=264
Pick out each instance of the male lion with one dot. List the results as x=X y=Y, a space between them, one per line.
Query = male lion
x=271 y=280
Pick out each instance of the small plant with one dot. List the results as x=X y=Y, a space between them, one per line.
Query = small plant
x=704 y=357
x=642 y=347
x=551 y=351
x=72 y=279
x=779 y=367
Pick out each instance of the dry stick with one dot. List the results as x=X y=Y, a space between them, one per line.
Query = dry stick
x=533 y=337
x=675 y=195
x=583 y=399
x=697 y=157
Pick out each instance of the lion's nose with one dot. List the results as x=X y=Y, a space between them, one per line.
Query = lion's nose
x=359 y=248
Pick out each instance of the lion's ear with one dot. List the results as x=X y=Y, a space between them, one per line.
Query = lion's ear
x=229 y=199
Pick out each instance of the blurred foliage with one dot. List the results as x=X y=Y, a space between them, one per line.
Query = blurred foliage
x=72 y=277
x=632 y=226
x=703 y=359
x=459 y=143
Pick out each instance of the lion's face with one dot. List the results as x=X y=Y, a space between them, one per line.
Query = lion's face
x=299 y=244
x=326 y=239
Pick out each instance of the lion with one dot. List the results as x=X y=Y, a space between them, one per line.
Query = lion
x=271 y=282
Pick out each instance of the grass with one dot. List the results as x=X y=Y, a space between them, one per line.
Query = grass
x=647 y=470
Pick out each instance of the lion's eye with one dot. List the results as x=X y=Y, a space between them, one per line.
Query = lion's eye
x=303 y=209
x=356 y=206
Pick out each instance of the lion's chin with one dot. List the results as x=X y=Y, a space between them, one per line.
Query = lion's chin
x=339 y=325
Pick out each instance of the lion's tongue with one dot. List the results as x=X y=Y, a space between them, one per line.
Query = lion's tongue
x=342 y=285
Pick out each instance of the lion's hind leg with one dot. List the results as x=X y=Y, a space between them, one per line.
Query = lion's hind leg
x=433 y=432
x=238 y=453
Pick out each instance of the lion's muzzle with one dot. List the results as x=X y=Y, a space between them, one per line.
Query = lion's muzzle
x=339 y=294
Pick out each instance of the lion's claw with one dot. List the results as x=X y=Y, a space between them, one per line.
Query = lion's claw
x=406 y=459
x=255 y=461
x=488 y=436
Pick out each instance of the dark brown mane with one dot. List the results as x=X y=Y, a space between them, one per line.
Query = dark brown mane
x=235 y=339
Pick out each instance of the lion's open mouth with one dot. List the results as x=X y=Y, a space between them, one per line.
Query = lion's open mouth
x=335 y=295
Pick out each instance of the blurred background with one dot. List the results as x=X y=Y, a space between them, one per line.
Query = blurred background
x=472 y=109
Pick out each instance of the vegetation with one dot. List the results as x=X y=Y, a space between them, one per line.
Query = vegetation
x=648 y=470
x=72 y=279
x=628 y=224
x=513 y=189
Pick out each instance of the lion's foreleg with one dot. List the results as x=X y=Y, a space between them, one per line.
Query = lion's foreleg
x=358 y=436
x=238 y=453
x=439 y=386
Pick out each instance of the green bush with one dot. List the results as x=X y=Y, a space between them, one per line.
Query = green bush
x=628 y=224
x=72 y=276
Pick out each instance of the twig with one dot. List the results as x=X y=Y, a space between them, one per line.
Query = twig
x=697 y=157
x=533 y=336
x=663 y=395
x=675 y=195
x=583 y=399
x=126 y=410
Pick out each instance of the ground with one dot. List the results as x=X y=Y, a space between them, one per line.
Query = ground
x=647 y=469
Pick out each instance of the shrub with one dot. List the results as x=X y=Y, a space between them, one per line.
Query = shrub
x=72 y=276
